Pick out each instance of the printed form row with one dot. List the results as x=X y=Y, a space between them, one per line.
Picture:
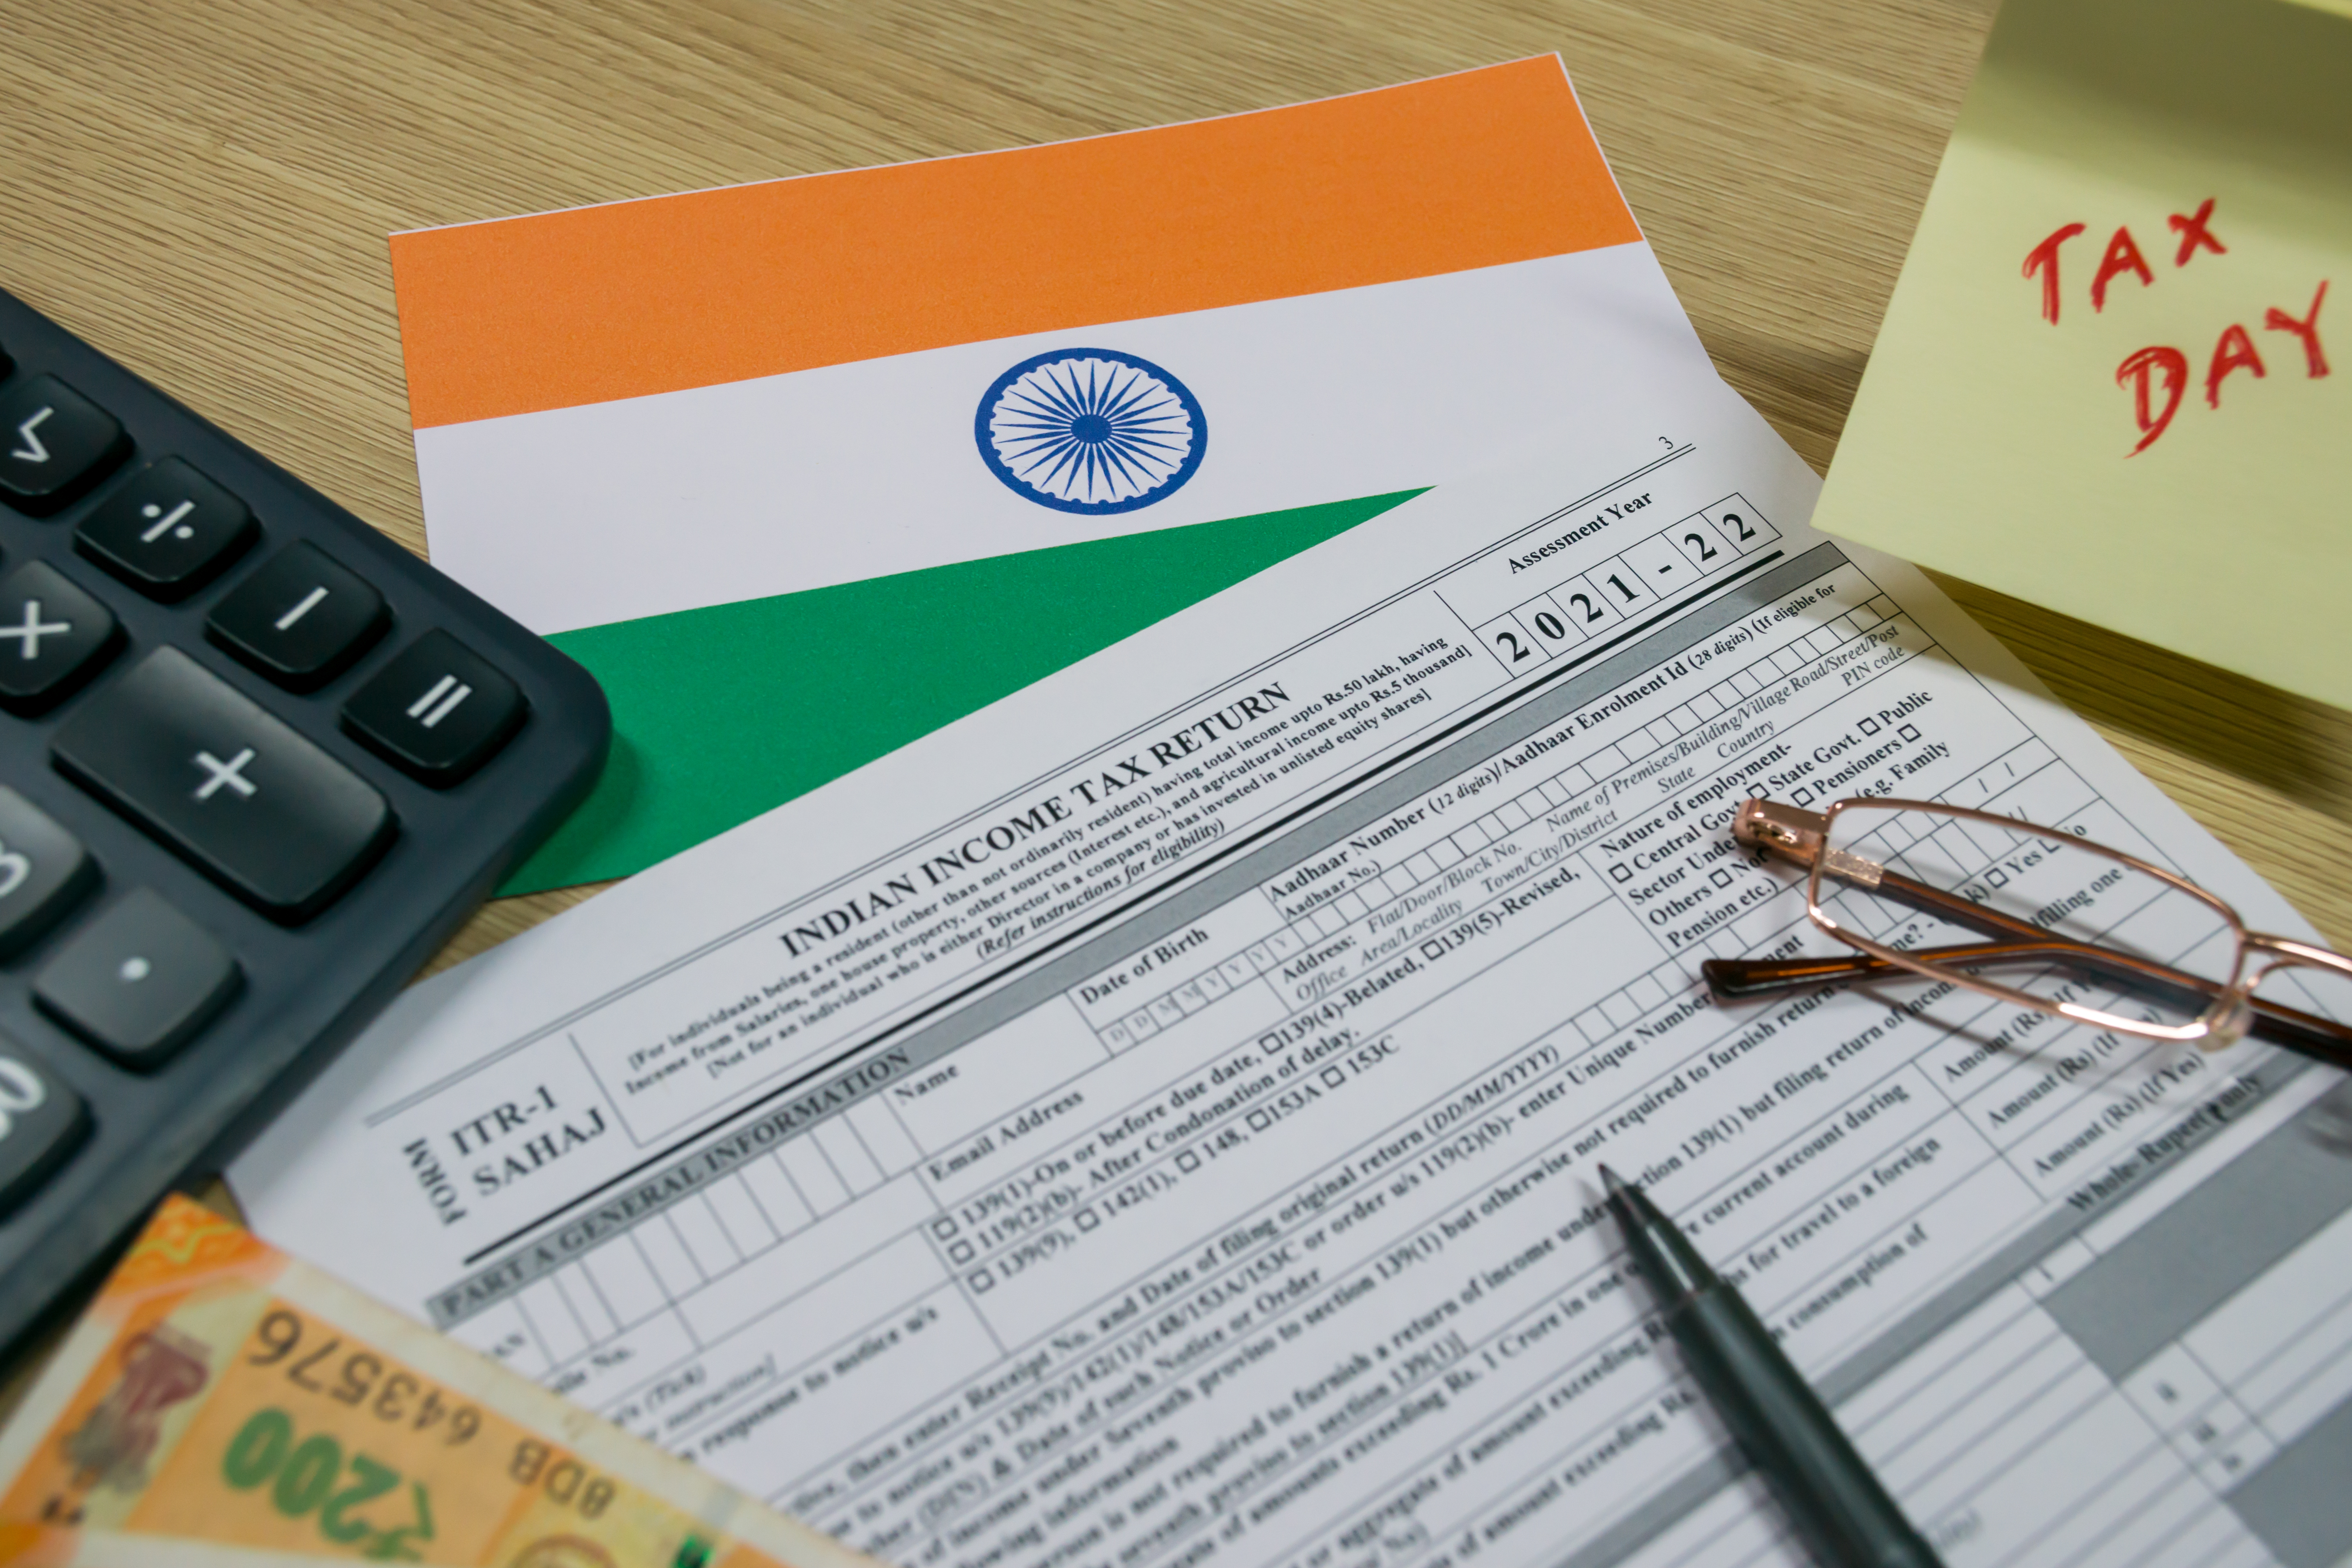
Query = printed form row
x=1371 y=893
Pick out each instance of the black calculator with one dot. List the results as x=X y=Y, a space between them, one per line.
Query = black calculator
x=257 y=762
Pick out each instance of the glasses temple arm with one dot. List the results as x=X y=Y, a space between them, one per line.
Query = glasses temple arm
x=2289 y=951
x=1800 y=836
x=1960 y=911
x=2320 y=1038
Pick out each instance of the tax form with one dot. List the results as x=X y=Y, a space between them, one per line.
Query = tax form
x=1152 y=1122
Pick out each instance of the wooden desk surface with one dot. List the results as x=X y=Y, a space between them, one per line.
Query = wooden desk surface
x=203 y=191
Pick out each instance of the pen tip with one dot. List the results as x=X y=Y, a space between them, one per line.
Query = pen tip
x=1610 y=1183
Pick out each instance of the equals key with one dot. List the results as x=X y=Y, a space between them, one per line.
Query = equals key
x=300 y=620
x=439 y=710
x=440 y=700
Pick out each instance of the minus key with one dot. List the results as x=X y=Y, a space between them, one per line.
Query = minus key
x=301 y=619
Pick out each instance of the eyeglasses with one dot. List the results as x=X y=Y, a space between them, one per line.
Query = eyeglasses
x=2075 y=929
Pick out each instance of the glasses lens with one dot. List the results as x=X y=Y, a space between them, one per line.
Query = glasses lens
x=2033 y=909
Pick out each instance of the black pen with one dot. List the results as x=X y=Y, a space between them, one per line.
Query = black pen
x=1839 y=1509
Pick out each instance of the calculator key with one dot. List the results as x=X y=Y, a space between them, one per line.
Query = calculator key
x=53 y=636
x=300 y=619
x=438 y=710
x=41 y=1121
x=138 y=981
x=44 y=871
x=167 y=532
x=54 y=444
x=208 y=770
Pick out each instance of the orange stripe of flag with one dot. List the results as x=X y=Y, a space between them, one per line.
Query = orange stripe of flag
x=569 y=308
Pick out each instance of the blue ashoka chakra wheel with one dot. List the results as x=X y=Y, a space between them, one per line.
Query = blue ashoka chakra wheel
x=1091 y=430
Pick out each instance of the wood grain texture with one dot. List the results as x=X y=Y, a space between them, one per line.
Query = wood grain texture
x=203 y=191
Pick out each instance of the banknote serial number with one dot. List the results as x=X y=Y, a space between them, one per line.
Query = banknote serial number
x=359 y=1380
x=566 y=1481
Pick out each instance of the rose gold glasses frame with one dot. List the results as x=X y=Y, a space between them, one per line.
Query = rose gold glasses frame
x=1801 y=837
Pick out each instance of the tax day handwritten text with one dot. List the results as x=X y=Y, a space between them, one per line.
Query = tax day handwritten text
x=2159 y=372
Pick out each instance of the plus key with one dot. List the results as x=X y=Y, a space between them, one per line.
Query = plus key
x=206 y=769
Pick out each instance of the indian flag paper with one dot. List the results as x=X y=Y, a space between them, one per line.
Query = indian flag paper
x=804 y=470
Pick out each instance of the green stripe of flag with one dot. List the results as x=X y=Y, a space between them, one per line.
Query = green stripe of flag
x=720 y=713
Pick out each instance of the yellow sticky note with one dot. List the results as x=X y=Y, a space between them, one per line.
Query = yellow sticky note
x=2115 y=377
